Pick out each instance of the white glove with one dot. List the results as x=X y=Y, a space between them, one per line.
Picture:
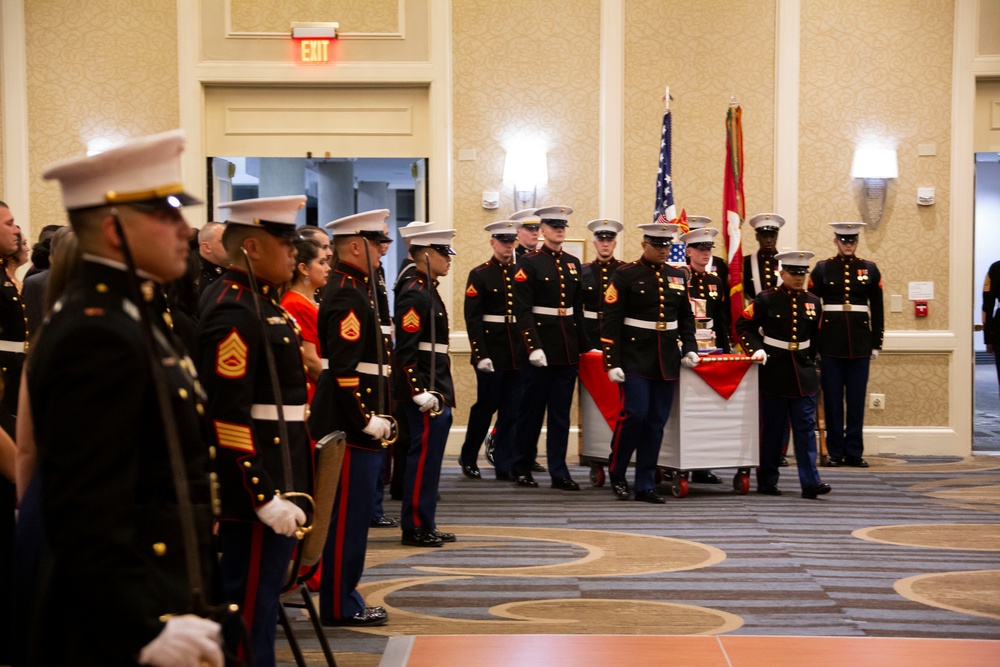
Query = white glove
x=691 y=359
x=537 y=358
x=378 y=428
x=616 y=375
x=874 y=355
x=426 y=401
x=185 y=641
x=485 y=365
x=760 y=356
x=283 y=516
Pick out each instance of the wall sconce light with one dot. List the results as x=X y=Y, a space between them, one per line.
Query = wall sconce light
x=875 y=166
x=526 y=168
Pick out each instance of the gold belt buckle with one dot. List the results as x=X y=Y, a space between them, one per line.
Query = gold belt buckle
x=793 y=347
x=562 y=312
x=661 y=326
x=511 y=319
x=847 y=307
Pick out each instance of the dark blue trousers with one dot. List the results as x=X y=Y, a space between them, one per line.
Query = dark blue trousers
x=496 y=393
x=775 y=413
x=380 y=482
x=347 y=539
x=548 y=389
x=844 y=378
x=428 y=437
x=254 y=567
x=645 y=409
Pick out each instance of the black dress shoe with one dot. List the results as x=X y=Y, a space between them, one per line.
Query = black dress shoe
x=565 y=484
x=526 y=480
x=769 y=490
x=705 y=477
x=814 y=490
x=783 y=462
x=420 y=538
x=855 y=462
x=385 y=522
x=444 y=537
x=472 y=472
x=537 y=467
x=620 y=487
x=832 y=461
x=650 y=496
x=369 y=616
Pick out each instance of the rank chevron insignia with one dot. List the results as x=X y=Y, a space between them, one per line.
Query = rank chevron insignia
x=231 y=357
x=350 y=328
x=520 y=276
x=611 y=295
x=411 y=321
x=471 y=291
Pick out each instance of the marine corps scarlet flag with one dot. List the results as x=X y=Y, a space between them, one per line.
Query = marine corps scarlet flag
x=733 y=212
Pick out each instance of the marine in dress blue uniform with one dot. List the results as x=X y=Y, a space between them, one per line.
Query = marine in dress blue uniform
x=257 y=527
x=596 y=275
x=347 y=399
x=850 y=336
x=548 y=302
x=527 y=234
x=646 y=314
x=991 y=316
x=423 y=384
x=117 y=584
x=779 y=330
x=716 y=265
x=761 y=270
x=496 y=351
x=705 y=285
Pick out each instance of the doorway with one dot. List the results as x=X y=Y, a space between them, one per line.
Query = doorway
x=986 y=424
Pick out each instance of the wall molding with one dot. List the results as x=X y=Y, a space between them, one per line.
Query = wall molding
x=14 y=95
x=400 y=34
x=612 y=134
x=786 y=118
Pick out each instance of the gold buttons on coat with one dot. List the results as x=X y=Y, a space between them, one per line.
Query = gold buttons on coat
x=159 y=548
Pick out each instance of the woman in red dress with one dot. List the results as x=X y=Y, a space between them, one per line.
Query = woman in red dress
x=311 y=272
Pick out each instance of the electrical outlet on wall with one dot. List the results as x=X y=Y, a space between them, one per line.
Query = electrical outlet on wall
x=876 y=401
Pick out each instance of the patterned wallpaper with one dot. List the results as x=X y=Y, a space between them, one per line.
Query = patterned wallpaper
x=879 y=72
x=110 y=73
x=352 y=15
x=1 y=139
x=915 y=388
x=523 y=70
x=706 y=52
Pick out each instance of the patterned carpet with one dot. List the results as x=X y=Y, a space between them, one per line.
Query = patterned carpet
x=907 y=548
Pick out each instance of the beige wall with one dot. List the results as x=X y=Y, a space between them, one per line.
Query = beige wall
x=706 y=52
x=109 y=73
x=352 y=15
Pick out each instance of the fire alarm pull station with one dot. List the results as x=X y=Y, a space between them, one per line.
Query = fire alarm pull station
x=920 y=308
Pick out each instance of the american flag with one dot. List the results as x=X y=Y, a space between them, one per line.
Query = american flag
x=666 y=212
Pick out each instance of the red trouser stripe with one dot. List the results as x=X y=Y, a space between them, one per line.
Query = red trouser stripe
x=253 y=572
x=420 y=470
x=338 y=553
x=618 y=429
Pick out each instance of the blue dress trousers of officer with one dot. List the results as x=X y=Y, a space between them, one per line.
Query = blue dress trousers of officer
x=784 y=323
x=493 y=335
x=347 y=394
x=646 y=313
x=416 y=304
x=244 y=416
x=852 y=328
x=548 y=302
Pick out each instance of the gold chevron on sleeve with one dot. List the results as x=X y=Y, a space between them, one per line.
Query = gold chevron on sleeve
x=234 y=436
x=231 y=357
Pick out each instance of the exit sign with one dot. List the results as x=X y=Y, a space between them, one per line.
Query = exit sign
x=314 y=50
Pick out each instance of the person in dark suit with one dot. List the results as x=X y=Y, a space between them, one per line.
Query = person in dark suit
x=495 y=343
x=214 y=259
x=261 y=441
x=850 y=337
x=596 y=275
x=991 y=316
x=423 y=384
x=113 y=522
x=646 y=314
x=348 y=398
x=779 y=330
x=761 y=270
x=548 y=303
